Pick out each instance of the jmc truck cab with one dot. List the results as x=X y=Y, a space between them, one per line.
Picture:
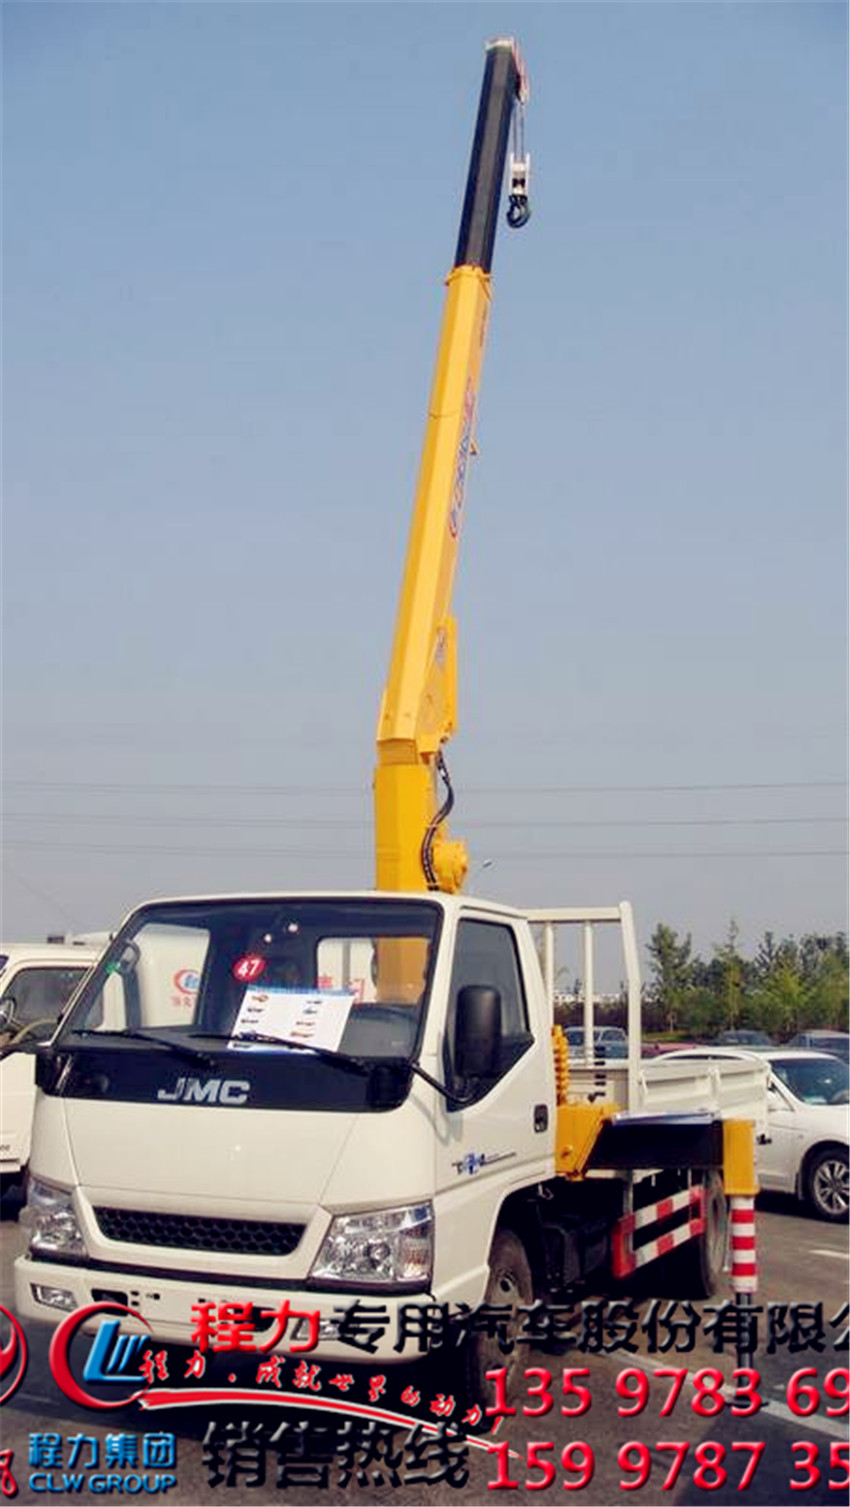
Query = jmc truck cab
x=293 y=1133
x=36 y=981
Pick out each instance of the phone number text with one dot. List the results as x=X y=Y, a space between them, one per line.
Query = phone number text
x=710 y=1467
x=702 y=1391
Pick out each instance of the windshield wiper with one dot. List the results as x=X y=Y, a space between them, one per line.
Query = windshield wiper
x=180 y=1048
x=343 y=1058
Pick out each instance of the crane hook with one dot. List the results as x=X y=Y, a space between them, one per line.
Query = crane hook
x=519 y=209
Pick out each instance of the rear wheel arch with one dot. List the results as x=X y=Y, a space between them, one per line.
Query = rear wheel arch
x=521 y=1215
x=811 y=1188
x=509 y=1285
x=809 y=1156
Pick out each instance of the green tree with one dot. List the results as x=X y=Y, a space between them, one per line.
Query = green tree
x=801 y=984
x=704 y=1016
x=828 y=992
x=787 y=986
x=766 y=955
x=814 y=949
x=671 y=968
x=781 y=1003
x=732 y=974
x=770 y=954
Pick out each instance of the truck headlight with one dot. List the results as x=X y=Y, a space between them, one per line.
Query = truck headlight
x=384 y=1248
x=50 y=1219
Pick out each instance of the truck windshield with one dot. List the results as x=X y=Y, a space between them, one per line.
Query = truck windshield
x=322 y=977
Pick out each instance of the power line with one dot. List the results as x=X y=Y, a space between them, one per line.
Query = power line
x=358 y=824
x=41 y=895
x=501 y=790
x=619 y=855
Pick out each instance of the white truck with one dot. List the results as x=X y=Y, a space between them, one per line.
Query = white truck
x=36 y=981
x=427 y=1140
x=362 y=1097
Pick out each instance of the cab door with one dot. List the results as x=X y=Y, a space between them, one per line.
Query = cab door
x=494 y=1134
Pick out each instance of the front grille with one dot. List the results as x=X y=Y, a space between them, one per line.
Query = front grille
x=189 y=1232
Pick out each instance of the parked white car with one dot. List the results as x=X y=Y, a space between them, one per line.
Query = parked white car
x=808 y=1125
x=36 y=981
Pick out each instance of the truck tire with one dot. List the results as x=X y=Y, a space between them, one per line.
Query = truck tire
x=696 y=1267
x=826 y=1187
x=510 y=1284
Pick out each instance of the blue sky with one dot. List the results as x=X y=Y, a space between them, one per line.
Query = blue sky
x=225 y=233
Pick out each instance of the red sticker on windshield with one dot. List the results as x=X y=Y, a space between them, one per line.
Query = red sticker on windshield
x=249 y=968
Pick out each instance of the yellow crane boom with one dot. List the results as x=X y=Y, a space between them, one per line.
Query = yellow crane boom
x=418 y=708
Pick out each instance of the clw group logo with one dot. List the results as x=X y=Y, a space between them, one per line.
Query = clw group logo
x=113 y=1357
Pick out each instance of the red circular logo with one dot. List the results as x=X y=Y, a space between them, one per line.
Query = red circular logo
x=187 y=980
x=13 y=1354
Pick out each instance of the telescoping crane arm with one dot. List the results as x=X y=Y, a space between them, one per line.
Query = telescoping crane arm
x=418 y=708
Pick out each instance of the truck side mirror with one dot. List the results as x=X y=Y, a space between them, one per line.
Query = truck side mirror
x=478 y=1031
x=8 y=1011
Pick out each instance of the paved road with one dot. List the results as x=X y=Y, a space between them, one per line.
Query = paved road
x=803 y=1262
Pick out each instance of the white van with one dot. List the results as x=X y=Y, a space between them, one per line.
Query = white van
x=36 y=981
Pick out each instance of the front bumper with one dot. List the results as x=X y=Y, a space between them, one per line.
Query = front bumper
x=381 y=1328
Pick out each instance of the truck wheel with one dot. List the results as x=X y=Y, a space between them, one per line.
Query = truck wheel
x=696 y=1268
x=509 y=1284
x=826 y=1184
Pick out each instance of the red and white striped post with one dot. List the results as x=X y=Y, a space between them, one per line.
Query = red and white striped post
x=741 y=1187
